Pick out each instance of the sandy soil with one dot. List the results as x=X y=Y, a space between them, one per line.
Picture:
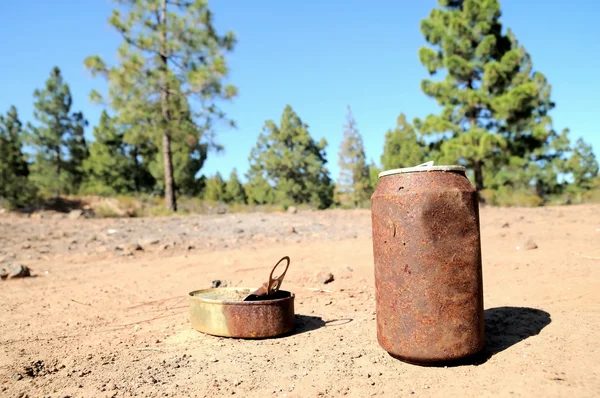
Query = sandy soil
x=106 y=311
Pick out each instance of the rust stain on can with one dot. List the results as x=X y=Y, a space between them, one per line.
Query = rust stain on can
x=259 y=319
x=428 y=274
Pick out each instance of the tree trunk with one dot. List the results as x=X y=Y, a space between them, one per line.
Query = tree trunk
x=136 y=170
x=58 y=160
x=170 y=199
x=478 y=171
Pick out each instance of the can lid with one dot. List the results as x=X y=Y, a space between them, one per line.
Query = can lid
x=423 y=167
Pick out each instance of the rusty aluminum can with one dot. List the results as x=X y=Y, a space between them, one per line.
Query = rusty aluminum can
x=427 y=255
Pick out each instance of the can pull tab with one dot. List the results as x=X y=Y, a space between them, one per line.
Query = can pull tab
x=272 y=286
x=426 y=164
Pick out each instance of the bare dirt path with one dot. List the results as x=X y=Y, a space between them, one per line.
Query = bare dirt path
x=103 y=318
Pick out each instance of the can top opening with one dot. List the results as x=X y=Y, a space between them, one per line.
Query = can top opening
x=423 y=167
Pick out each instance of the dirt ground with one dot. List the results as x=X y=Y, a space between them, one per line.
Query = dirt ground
x=105 y=313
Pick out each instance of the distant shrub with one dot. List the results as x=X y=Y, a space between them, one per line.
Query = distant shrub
x=103 y=210
x=509 y=198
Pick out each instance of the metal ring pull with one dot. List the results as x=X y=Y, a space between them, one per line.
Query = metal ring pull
x=275 y=283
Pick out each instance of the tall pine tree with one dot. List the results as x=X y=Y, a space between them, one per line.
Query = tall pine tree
x=287 y=166
x=109 y=168
x=58 y=138
x=354 y=184
x=171 y=55
x=78 y=150
x=374 y=171
x=583 y=165
x=215 y=188
x=14 y=169
x=234 y=191
x=402 y=147
x=494 y=104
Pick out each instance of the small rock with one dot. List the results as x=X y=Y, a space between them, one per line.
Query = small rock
x=325 y=277
x=26 y=246
x=218 y=283
x=530 y=245
x=221 y=210
x=292 y=210
x=132 y=247
x=348 y=267
x=58 y=216
x=238 y=231
x=167 y=246
x=111 y=231
x=75 y=214
x=291 y=230
x=505 y=225
x=14 y=271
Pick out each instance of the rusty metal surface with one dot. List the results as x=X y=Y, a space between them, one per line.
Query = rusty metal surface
x=428 y=275
x=222 y=312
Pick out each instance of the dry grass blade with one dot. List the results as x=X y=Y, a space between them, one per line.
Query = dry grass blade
x=588 y=257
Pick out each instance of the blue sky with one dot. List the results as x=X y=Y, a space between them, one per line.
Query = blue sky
x=317 y=56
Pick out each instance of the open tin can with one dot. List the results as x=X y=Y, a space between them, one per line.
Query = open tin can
x=244 y=312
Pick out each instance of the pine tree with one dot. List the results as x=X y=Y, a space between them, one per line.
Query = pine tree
x=14 y=169
x=171 y=55
x=259 y=190
x=374 y=175
x=234 y=191
x=56 y=169
x=110 y=167
x=491 y=98
x=402 y=147
x=288 y=161
x=583 y=165
x=215 y=188
x=78 y=151
x=353 y=184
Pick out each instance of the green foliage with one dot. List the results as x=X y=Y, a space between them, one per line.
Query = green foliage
x=78 y=151
x=374 y=175
x=353 y=185
x=58 y=138
x=259 y=191
x=288 y=167
x=507 y=197
x=171 y=57
x=402 y=147
x=583 y=165
x=234 y=191
x=215 y=189
x=494 y=106
x=15 y=187
x=110 y=168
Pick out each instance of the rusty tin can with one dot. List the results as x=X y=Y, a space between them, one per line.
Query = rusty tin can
x=245 y=313
x=427 y=255
x=223 y=312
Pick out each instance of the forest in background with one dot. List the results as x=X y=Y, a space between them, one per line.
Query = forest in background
x=162 y=116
